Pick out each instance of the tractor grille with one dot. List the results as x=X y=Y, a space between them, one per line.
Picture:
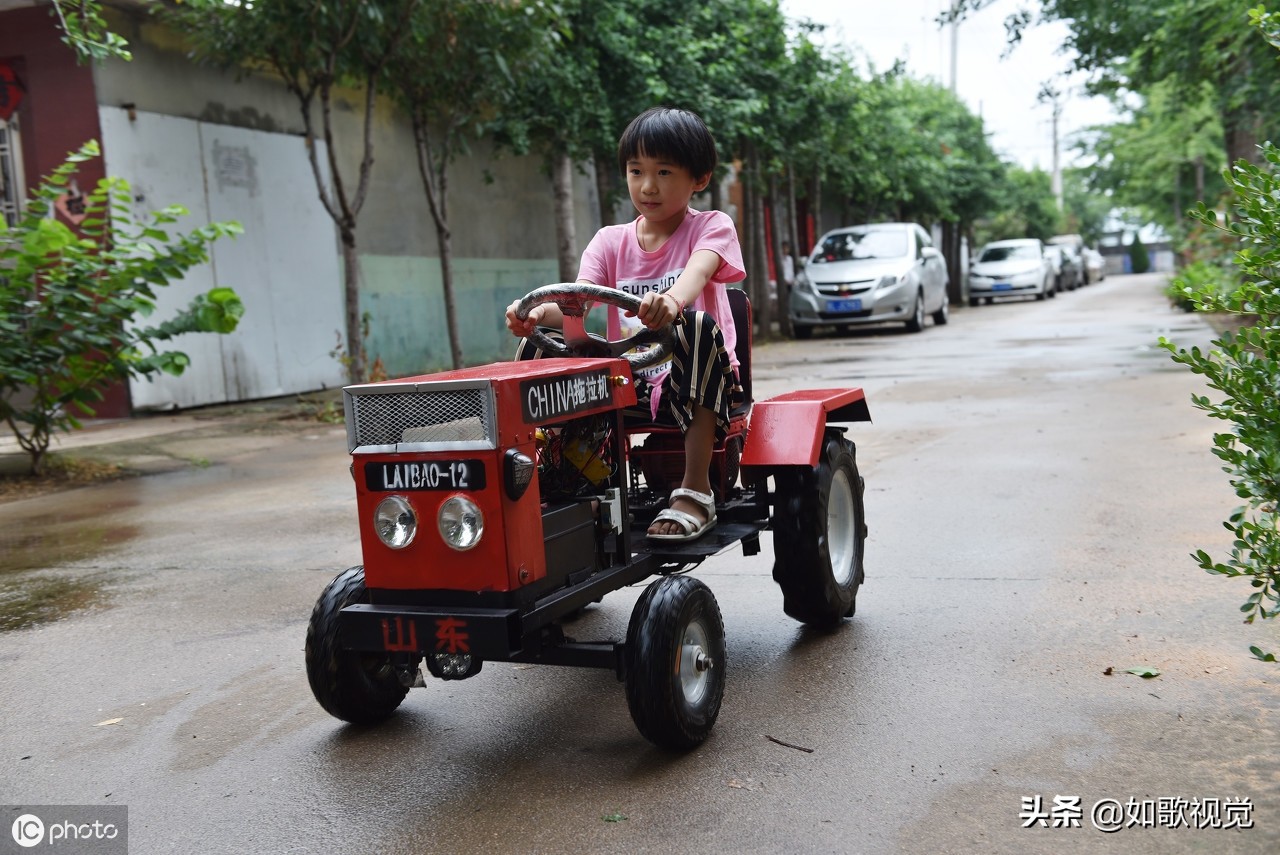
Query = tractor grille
x=384 y=418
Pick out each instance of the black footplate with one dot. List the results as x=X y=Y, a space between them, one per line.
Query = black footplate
x=723 y=536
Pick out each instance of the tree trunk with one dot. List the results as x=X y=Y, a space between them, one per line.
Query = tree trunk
x=604 y=188
x=1240 y=133
x=815 y=205
x=793 y=228
x=351 y=293
x=717 y=200
x=562 y=186
x=748 y=231
x=760 y=254
x=777 y=205
x=951 y=258
x=445 y=240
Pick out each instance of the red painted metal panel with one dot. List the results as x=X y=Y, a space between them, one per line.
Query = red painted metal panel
x=786 y=430
x=501 y=561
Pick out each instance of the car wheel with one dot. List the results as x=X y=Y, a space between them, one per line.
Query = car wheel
x=973 y=302
x=818 y=535
x=675 y=662
x=943 y=314
x=359 y=687
x=916 y=322
x=801 y=332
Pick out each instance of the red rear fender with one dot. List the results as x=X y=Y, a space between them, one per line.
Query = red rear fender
x=787 y=430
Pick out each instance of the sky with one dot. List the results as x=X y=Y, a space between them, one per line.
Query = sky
x=1002 y=91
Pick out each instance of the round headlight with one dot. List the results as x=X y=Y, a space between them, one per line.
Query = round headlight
x=395 y=522
x=461 y=523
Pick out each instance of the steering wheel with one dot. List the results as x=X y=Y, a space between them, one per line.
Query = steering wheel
x=572 y=298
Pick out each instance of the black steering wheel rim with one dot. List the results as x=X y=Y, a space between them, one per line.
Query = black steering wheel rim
x=573 y=298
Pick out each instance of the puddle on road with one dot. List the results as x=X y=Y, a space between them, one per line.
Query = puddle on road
x=29 y=599
x=40 y=537
x=38 y=548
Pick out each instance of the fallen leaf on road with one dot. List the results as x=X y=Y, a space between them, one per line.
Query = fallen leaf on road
x=1144 y=672
x=109 y=721
x=614 y=817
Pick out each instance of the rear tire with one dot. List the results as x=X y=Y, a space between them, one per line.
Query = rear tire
x=819 y=531
x=675 y=662
x=801 y=333
x=362 y=688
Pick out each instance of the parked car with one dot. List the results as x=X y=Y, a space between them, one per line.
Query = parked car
x=1073 y=274
x=870 y=274
x=1011 y=268
x=1066 y=272
x=1095 y=266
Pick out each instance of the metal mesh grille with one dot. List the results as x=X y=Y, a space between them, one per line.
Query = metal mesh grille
x=458 y=415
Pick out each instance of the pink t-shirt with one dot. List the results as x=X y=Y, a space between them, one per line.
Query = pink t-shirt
x=615 y=258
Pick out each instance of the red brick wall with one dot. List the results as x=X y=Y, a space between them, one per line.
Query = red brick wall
x=58 y=114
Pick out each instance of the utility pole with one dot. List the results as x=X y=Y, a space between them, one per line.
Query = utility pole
x=955 y=39
x=1050 y=94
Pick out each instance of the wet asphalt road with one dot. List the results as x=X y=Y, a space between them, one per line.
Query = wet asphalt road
x=1035 y=479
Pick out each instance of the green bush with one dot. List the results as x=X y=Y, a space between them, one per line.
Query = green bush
x=69 y=304
x=1245 y=369
x=1200 y=278
x=1139 y=259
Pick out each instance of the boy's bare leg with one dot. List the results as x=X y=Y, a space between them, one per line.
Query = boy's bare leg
x=699 y=442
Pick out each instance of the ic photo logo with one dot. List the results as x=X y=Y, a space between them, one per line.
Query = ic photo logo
x=67 y=829
x=28 y=830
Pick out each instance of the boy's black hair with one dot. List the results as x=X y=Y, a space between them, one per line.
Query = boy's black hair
x=670 y=134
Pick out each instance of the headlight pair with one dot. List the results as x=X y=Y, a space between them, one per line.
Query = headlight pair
x=459 y=520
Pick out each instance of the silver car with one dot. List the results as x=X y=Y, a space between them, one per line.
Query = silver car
x=869 y=275
x=1011 y=268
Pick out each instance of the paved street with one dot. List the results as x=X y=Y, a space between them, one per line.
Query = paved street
x=1036 y=477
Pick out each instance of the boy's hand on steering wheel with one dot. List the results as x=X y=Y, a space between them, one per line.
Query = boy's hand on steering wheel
x=657 y=310
x=519 y=328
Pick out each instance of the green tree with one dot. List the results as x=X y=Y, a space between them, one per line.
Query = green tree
x=460 y=62
x=85 y=31
x=557 y=109
x=316 y=47
x=70 y=303
x=1026 y=208
x=1186 y=44
x=1139 y=258
x=1166 y=155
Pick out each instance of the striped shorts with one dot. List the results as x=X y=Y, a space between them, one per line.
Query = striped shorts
x=701 y=375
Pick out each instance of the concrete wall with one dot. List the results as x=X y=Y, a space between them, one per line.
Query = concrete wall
x=503 y=228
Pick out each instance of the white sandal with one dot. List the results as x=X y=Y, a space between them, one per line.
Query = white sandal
x=694 y=528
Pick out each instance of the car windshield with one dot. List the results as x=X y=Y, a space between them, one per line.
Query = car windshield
x=1022 y=252
x=850 y=246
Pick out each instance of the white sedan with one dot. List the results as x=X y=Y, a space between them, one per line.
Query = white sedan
x=871 y=274
x=1011 y=268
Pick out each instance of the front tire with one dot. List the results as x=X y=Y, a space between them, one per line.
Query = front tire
x=801 y=332
x=916 y=322
x=943 y=315
x=819 y=531
x=675 y=662
x=362 y=688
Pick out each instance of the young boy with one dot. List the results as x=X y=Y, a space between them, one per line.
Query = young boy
x=678 y=261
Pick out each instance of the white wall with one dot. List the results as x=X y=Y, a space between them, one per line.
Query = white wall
x=285 y=267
